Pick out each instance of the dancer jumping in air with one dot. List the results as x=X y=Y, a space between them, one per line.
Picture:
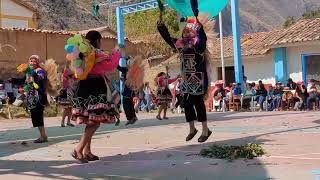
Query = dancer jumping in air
x=192 y=49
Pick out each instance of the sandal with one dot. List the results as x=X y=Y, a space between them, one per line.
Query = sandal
x=191 y=135
x=41 y=140
x=166 y=118
x=91 y=157
x=82 y=159
x=70 y=125
x=158 y=117
x=134 y=120
x=204 y=138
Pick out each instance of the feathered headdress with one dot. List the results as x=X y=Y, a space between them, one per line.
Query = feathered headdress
x=51 y=68
x=135 y=75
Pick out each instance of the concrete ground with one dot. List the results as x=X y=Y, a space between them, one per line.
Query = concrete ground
x=153 y=149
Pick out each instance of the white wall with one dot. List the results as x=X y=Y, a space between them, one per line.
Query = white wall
x=8 y=7
x=9 y=23
x=257 y=68
x=294 y=66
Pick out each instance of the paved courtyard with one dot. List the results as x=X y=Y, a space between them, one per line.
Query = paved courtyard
x=153 y=149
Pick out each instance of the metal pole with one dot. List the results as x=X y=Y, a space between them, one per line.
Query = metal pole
x=236 y=41
x=121 y=42
x=222 y=50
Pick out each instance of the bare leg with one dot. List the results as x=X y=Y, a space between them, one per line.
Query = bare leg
x=69 y=113
x=64 y=115
x=165 y=107
x=205 y=129
x=192 y=127
x=87 y=148
x=42 y=131
x=86 y=137
x=159 y=112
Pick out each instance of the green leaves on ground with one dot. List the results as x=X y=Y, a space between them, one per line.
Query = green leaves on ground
x=248 y=151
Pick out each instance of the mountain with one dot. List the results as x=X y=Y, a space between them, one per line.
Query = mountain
x=256 y=15
x=266 y=15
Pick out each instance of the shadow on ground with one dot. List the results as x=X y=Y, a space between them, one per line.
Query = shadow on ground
x=174 y=163
x=179 y=163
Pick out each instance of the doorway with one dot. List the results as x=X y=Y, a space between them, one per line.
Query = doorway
x=230 y=75
x=310 y=67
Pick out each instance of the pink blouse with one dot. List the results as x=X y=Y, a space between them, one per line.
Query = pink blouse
x=105 y=63
x=162 y=81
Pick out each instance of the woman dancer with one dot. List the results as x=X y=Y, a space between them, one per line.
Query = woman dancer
x=192 y=48
x=164 y=96
x=92 y=101
x=38 y=85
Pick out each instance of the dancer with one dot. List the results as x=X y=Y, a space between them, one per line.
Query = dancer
x=38 y=86
x=192 y=47
x=164 y=96
x=132 y=77
x=66 y=93
x=92 y=102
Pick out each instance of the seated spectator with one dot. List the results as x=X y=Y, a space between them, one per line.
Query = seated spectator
x=237 y=90
x=291 y=85
x=248 y=95
x=261 y=95
x=270 y=97
x=9 y=90
x=218 y=96
x=313 y=90
x=3 y=94
x=301 y=95
x=276 y=97
x=287 y=98
x=15 y=90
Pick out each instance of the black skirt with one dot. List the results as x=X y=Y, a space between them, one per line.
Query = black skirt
x=91 y=104
x=164 y=96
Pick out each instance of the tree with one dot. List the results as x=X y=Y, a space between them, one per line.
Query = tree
x=142 y=26
x=289 y=22
x=312 y=14
x=308 y=15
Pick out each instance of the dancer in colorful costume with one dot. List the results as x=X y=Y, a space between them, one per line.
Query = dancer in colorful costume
x=132 y=76
x=92 y=101
x=40 y=80
x=164 y=96
x=65 y=96
x=192 y=48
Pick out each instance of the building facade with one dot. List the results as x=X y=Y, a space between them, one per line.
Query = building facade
x=268 y=56
x=18 y=14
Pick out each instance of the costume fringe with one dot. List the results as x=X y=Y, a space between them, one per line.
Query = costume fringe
x=51 y=67
x=135 y=75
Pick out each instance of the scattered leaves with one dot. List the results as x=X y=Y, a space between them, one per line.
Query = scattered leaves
x=248 y=151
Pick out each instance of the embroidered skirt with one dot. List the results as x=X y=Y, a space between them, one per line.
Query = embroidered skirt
x=92 y=104
x=164 y=96
x=64 y=99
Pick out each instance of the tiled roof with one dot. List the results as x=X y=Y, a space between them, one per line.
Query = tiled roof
x=260 y=43
x=251 y=44
x=100 y=29
x=50 y=32
x=303 y=31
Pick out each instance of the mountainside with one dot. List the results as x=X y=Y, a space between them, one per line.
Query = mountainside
x=265 y=15
x=256 y=15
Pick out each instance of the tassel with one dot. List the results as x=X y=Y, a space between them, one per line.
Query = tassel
x=194 y=6
x=160 y=5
